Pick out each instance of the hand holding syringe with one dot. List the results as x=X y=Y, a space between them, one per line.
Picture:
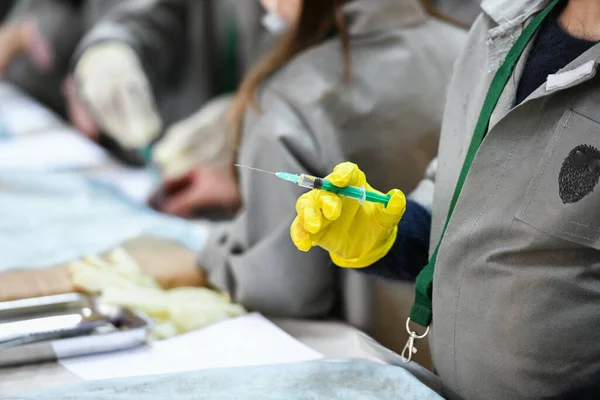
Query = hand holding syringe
x=312 y=182
x=356 y=236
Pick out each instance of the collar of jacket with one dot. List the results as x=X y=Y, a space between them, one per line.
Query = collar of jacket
x=510 y=17
x=369 y=16
x=512 y=11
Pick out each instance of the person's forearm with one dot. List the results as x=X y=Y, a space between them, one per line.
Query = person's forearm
x=155 y=30
x=410 y=251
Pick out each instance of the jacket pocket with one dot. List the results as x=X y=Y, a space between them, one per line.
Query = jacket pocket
x=563 y=198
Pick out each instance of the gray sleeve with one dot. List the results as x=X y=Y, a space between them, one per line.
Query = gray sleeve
x=35 y=7
x=59 y=21
x=155 y=29
x=254 y=257
x=271 y=276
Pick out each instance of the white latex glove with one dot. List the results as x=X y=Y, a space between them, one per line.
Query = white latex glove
x=114 y=87
x=198 y=140
x=424 y=192
x=120 y=281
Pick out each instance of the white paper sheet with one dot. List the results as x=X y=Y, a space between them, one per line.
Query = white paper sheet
x=57 y=149
x=245 y=341
x=21 y=115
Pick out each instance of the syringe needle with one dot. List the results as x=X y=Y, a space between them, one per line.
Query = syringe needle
x=255 y=169
x=311 y=182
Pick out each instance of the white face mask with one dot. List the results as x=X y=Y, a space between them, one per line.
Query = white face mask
x=272 y=21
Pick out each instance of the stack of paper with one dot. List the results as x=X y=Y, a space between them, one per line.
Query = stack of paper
x=58 y=149
x=244 y=341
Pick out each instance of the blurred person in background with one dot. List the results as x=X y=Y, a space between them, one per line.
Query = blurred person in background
x=360 y=80
x=37 y=40
x=200 y=142
x=149 y=66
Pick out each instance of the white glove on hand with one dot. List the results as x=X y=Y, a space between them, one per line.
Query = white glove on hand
x=113 y=85
x=198 y=140
x=423 y=194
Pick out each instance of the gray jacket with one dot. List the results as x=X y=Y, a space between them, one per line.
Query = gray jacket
x=186 y=46
x=516 y=294
x=387 y=121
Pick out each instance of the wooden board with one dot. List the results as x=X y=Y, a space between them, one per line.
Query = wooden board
x=169 y=263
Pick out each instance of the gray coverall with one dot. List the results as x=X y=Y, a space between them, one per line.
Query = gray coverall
x=516 y=296
x=387 y=120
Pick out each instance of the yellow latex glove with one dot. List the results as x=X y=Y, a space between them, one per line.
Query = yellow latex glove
x=356 y=236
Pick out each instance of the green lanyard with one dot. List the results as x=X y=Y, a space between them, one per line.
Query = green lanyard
x=421 y=312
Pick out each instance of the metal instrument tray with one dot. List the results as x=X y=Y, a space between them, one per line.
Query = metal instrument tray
x=52 y=327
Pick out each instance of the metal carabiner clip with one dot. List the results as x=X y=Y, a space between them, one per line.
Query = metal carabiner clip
x=409 y=348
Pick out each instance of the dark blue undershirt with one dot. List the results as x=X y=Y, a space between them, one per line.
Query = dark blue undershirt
x=552 y=50
x=410 y=252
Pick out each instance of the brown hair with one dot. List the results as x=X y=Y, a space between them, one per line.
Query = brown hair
x=318 y=19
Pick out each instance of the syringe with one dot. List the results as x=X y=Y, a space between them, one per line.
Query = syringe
x=313 y=182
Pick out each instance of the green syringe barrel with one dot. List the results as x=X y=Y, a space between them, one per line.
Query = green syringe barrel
x=353 y=192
